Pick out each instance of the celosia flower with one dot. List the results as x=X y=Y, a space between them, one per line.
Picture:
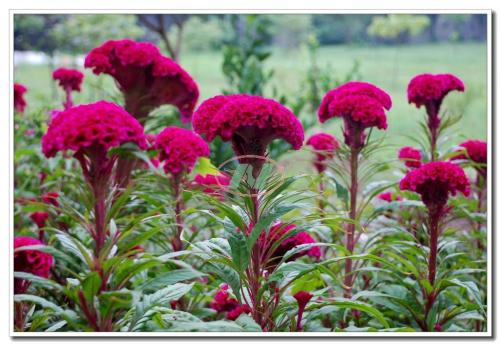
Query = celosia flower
x=435 y=181
x=39 y=218
x=19 y=101
x=179 y=149
x=213 y=184
x=146 y=78
x=50 y=198
x=430 y=89
x=68 y=78
x=389 y=197
x=475 y=151
x=223 y=303
x=324 y=145
x=93 y=127
x=411 y=156
x=31 y=261
x=302 y=298
x=250 y=122
x=361 y=105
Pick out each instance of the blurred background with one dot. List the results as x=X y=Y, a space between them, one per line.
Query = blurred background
x=292 y=58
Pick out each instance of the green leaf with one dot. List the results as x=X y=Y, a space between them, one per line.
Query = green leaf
x=361 y=306
x=205 y=167
x=91 y=286
x=239 y=250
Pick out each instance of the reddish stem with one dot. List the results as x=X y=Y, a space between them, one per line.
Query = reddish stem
x=176 y=241
x=68 y=103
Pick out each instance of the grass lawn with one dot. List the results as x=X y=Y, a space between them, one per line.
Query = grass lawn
x=388 y=67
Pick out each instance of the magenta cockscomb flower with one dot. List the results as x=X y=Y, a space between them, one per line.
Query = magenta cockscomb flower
x=50 y=198
x=39 y=218
x=302 y=298
x=146 y=78
x=69 y=80
x=250 y=123
x=179 y=149
x=429 y=90
x=475 y=151
x=19 y=101
x=389 y=197
x=223 y=303
x=411 y=157
x=324 y=146
x=361 y=105
x=31 y=261
x=435 y=182
x=213 y=184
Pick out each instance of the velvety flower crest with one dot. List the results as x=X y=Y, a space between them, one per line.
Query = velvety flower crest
x=31 y=261
x=324 y=145
x=212 y=184
x=389 y=197
x=430 y=89
x=179 y=149
x=39 y=218
x=475 y=150
x=68 y=78
x=411 y=156
x=223 y=303
x=19 y=101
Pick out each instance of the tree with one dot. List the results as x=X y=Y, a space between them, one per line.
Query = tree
x=397 y=27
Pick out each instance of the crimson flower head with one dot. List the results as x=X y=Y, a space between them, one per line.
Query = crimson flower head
x=411 y=156
x=19 y=101
x=429 y=90
x=324 y=145
x=223 y=303
x=68 y=78
x=146 y=78
x=31 y=261
x=361 y=105
x=475 y=151
x=389 y=197
x=213 y=184
x=50 y=198
x=179 y=149
x=302 y=298
x=435 y=182
x=39 y=218
x=250 y=123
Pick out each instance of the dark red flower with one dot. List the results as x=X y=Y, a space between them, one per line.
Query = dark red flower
x=389 y=197
x=31 y=261
x=19 y=101
x=435 y=181
x=39 y=218
x=324 y=145
x=213 y=184
x=146 y=78
x=100 y=125
x=361 y=105
x=179 y=149
x=302 y=298
x=223 y=303
x=475 y=150
x=430 y=89
x=411 y=156
x=250 y=123
x=50 y=198
x=68 y=78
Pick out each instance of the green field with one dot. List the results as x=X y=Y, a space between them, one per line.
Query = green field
x=389 y=67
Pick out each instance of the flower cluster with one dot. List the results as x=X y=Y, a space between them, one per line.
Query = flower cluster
x=411 y=156
x=146 y=78
x=430 y=89
x=31 y=261
x=324 y=145
x=179 y=149
x=389 y=197
x=19 y=101
x=212 y=184
x=361 y=105
x=223 y=303
x=435 y=181
x=68 y=78
x=100 y=125
x=475 y=150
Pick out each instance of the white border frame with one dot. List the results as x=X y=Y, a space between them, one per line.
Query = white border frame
x=488 y=334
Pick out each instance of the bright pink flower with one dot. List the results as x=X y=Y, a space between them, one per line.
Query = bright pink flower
x=146 y=78
x=31 y=261
x=324 y=145
x=435 y=181
x=100 y=125
x=19 y=101
x=430 y=89
x=68 y=78
x=389 y=197
x=39 y=218
x=302 y=298
x=222 y=303
x=213 y=184
x=411 y=156
x=179 y=149
x=361 y=105
x=475 y=150
x=50 y=198
x=250 y=122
